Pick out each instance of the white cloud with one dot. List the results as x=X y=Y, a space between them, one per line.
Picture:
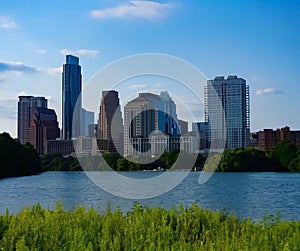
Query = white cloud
x=158 y=84
x=135 y=8
x=82 y=52
x=41 y=51
x=55 y=70
x=137 y=86
x=258 y=79
x=268 y=91
x=16 y=67
x=1 y=78
x=5 y=23
x=21 y=93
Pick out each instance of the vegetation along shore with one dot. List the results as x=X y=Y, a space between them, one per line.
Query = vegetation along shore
x=20 y=160
x=141 y=228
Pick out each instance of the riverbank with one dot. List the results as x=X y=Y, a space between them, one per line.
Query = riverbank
x=141 y=228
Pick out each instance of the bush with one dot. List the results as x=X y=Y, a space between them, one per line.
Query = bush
x=143 y=229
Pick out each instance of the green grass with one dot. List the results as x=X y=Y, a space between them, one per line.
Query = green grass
x=143 y=229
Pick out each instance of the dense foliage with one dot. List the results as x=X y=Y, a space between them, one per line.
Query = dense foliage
x=143 y=229
x=243 y=160
x=285 y=157
x=288 y=155
x=115 y=161
x=57 y=162
x=17 y=159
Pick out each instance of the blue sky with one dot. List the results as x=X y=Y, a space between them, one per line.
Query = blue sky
x=256 y=40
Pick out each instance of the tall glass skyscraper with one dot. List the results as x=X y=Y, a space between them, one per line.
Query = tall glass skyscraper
x=71 y=98
x=233 y=94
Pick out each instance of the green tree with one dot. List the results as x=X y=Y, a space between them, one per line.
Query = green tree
x=17 y=159
x=122 y=164
x=284 y=152
x=294 y=165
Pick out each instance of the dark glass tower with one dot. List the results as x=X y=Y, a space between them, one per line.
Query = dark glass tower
x=110 y=123
x=25 y=105
x=71 y=98
x=43 y=126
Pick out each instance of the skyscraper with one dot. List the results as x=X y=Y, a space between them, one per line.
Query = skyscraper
x=43 y=126
x=71 y=98
x=233 y=94
x=87 y=118
x=146 y=114
x=25 y=105
x=110 y=123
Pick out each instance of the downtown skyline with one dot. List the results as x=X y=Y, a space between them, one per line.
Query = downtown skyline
x=257 y=41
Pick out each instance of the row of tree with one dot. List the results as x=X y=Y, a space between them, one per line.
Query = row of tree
x=114 y=161
x=17 y=159
x=284 y=157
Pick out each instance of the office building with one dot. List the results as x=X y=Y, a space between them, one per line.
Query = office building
x=110 y=123
x=189 y=143
x=146 y=114
x=87 y=118
x=71 y=98
x=183 y=127
x=25 y=105
x=60 y=146
x=93 y=130
x=200 y=130
x=231 y=94
x=43 y=126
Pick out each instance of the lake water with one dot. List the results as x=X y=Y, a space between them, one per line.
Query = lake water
x=248 y=194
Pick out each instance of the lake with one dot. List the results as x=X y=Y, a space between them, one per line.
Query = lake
x=248 y=194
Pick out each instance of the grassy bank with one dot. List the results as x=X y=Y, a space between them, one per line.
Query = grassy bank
x=142 y=229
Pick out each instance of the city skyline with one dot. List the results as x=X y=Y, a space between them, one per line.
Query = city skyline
x=256 y=40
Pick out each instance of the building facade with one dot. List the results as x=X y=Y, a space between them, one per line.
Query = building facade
x=269 y=138
x=60 y=146
x=200 y=131
x=110 y=122
x=183 y=127
x=71 y=98
x=227 y=112
x=87 y=119
x=25 y=106
x=43 y=126
x=147 y=114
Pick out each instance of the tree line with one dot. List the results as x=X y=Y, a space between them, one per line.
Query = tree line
x=19 y=160
x=285 y=157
